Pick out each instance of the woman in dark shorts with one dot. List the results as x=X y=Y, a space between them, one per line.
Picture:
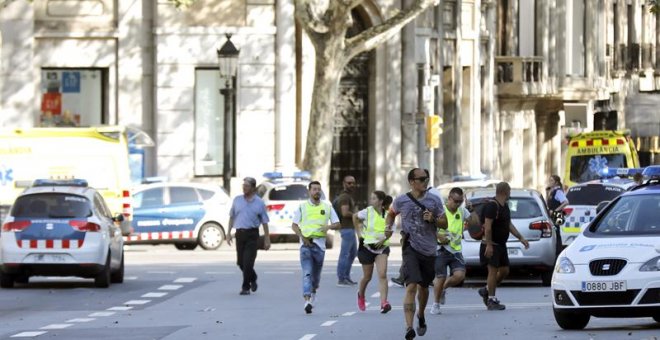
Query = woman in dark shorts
x=374 y=247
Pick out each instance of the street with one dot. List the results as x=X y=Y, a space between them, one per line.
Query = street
x=172 y=294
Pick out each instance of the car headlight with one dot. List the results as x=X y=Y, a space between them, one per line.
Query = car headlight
x=653 y=265
x=564 y=266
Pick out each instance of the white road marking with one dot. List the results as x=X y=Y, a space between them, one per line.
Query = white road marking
x=185 y=280
x=130 y=277
x=348 y=314
x=279 y=273
x=57 y=326
x=328 y=323
x=137 y=302
x=307 y=337
x=120 y=308
x=161 y=272
x=153 y=295
x=29 y=334
x=375 y=295
x=170 y=287
x=81 y=320
x=96 y=314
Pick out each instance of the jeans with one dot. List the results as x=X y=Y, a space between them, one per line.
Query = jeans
x=246 y=254
x=347 y=254
x=311 y=261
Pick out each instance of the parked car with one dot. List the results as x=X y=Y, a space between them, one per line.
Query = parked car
x=61 y=228
x=466 y=183
x=582 y=202
x=282 y=196
x=530 y=216
x=183 y=214
x=612 y=269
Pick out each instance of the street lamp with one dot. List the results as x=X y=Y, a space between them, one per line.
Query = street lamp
x=227 y=64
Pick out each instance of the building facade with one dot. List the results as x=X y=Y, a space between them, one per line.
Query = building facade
x=509 y=78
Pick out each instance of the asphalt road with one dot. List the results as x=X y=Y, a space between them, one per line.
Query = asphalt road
x=172 y=294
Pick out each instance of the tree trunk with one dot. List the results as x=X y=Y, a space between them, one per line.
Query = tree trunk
x=318 y=152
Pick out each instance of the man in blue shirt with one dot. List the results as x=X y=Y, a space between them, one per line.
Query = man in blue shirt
x=247 y=212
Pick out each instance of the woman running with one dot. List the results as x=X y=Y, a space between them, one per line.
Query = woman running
x=374 y=246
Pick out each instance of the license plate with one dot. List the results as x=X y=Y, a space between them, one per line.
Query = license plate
x=49 y=258
x=514 y=251
x=603 y=286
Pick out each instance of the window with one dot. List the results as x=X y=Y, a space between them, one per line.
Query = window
x=585 y=168
x=592 y=194
x=73 y=97
x=523 y=208
x=183 y=195
x=209 y=123
x=148 y=198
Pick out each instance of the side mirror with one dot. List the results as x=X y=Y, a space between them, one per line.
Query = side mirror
x=601 y=206
x=118 y=218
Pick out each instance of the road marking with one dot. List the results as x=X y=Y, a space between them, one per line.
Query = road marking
x=101 y=314
x=375 y=295
x=57 y=326
x=170 y=287
x=81 y=320
x=185 y=280
x=130 y=277
x=120 y=308
x=153 y=295
x=307 y=337
x=481 y=306
x=137 y=302
x=29 y=334
x=279 y=273
x=161 y=272
x=348 y=314
x=328 y=323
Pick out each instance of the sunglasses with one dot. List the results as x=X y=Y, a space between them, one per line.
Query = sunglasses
x=459 y=202
x=421 y=179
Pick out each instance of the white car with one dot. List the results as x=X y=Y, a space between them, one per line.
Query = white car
x=183 y=214
x=466 y=184
x=61 y=228
x=612 y=269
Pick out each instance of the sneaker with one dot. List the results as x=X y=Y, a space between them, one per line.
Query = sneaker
x=483 y=292
x=244 y=292
x=385 y=307
x=435 y=309
x=443 y=296
x=308 y=307
x=253 y=286
x=410 y=333
x=397 y=281
x=351 y=282
x=421 y=326
x=494 y=304
x=361 y=303
x=344 y=283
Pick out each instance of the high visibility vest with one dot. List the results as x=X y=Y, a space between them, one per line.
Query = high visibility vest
x=373 y=229
x=313 y=218
x=454 y=230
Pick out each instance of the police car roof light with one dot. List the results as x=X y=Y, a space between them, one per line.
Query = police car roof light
x=652 y=172
x=76 y=182
x=621 y=172
x=296 y=175
x=273 y=175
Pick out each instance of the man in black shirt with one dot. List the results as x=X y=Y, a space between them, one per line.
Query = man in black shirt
x=493 y=252
x=344 y=205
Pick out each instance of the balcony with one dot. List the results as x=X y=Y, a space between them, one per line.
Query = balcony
x=521 y=76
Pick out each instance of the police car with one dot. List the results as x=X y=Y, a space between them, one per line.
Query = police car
x=613 y=268
x=61 y=228
x=183 y=214
x=584 y=198
x=282 y=194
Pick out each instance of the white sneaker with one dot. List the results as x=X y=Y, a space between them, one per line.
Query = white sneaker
x=435 y=309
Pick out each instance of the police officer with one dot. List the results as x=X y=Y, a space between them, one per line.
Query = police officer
x=311 y=223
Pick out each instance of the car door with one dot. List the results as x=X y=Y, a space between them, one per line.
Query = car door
x=102 y=211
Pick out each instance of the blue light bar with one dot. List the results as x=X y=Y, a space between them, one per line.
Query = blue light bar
x=652 y=172
x=74 y=182
x=272 y=175
x=621 y=172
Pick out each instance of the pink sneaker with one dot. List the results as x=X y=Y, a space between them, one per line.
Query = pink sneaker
x=361 y=303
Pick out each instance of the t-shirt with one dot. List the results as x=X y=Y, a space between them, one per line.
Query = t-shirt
x=344 y=199
x=297 y=216
x=422 y=235
x=500 y=227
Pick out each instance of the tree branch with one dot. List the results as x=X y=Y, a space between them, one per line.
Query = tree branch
x=375 y=35
x=312 y=24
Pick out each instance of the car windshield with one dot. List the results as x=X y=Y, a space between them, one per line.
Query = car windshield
x=588 y=167
x=520 y=207
x=630 y=215
x=592 y=194
x=52 y=205
x=291 y=192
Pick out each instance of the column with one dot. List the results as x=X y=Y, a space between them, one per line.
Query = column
x=408 y=94
x=285 y=86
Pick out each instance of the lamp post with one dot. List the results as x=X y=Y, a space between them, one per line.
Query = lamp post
x=227 y=64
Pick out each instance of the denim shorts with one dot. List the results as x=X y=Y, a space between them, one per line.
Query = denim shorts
x=446 y=259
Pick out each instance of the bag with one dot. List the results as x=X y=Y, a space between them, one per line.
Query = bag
x=477 y=231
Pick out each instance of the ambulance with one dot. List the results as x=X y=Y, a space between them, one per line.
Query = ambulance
x=99 y=155
x=589 y=153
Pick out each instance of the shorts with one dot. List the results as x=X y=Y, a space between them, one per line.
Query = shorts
x=417 y=267
x=368 y=257
x=500 y=256
x=446 y=258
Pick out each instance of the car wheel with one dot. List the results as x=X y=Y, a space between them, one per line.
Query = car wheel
x=211 y=236
x=22 y=279
x=6 y=280
x=546 y=278
x=656 y=318
x=186 y=246
x=571 y=320
x=118 y=275
x=102 y=279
